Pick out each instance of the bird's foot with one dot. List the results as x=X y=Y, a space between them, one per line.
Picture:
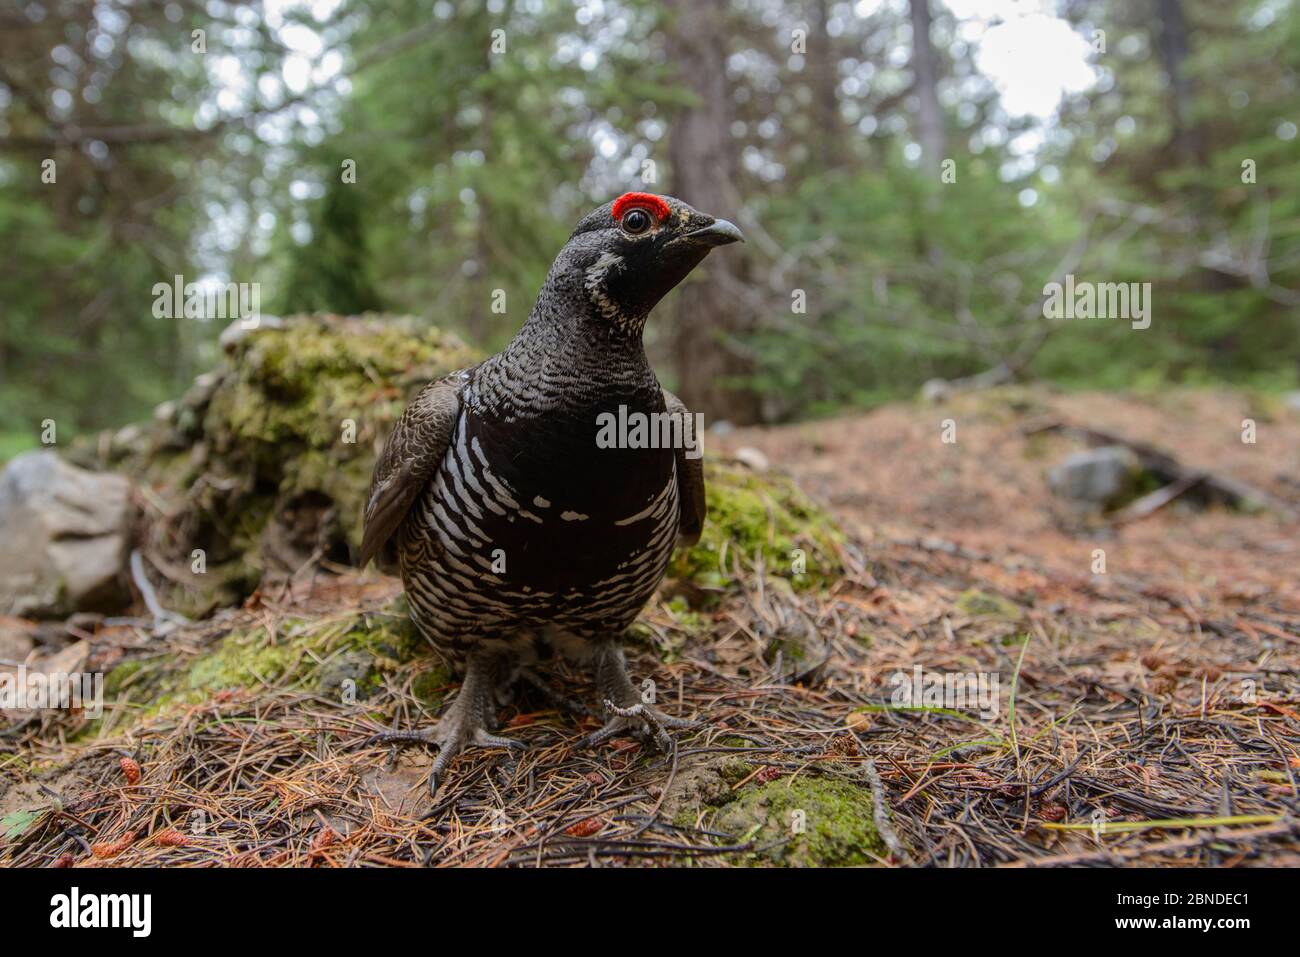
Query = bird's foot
x=644 y=722
x=466 y=723
x=453 y=735
x=627 y=711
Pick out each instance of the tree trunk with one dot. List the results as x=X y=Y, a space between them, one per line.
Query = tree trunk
x=1174 y=51
x=823 y=79
x=710 y=307
x=925 y=69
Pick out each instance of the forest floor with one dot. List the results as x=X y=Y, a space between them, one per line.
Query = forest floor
x=1144 y=714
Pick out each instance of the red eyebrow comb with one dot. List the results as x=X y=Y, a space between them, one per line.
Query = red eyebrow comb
x=647 y=201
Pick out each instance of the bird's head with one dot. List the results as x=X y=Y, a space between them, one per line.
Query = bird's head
x=627 y=255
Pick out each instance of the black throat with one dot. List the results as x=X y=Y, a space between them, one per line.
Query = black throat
x=568 y=361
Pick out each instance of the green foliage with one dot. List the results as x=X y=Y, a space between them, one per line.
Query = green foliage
x=1223 y=254
x=332 y=272
x=13 y=824
x=908 y=282
x=882 y=297
x=472 y=165
x=89 y=227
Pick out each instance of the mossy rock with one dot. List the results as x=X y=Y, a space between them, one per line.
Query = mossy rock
x=836 y=828
x=753 y=516
x=265 y=463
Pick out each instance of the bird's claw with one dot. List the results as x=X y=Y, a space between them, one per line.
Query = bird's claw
x=452 y=736
x=410 y=736
x=643 y=721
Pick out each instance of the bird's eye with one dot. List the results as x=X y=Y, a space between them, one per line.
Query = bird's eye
x=636 y=221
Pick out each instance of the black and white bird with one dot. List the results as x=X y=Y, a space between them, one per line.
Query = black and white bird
x=516 y=532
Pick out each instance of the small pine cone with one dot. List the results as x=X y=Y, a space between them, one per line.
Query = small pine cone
x=585 y=828
x=113 y=848
x=171 y=838
x=131 y=769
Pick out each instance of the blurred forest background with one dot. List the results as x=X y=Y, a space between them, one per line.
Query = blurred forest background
x=479 y=132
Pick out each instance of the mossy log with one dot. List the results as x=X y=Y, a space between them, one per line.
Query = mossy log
x=262 y=468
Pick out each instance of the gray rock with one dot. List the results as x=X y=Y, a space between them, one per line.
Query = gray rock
x=63 y=538
x=1102 y=478
x=164 y=413
x=200 y=393
x=752 y=458
x=129 y=440
x=935 y=391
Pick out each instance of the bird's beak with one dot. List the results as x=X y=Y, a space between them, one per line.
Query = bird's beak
x=718 y=233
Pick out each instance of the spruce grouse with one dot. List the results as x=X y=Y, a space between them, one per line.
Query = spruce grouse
x=516 y=530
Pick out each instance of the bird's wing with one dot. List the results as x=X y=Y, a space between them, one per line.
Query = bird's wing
x=690 y=476
x=410 y=458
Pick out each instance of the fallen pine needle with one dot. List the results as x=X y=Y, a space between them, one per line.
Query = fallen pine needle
x=1123 y=827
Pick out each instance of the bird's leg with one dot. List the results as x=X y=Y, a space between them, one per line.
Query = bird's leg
x=469 y=721
x=628 y=712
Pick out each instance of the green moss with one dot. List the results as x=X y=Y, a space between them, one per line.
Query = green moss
x=752 y=515
x=1144 y=483
x=123 y=676
x=1264 y=406
x=686 y=817
x=837 y=826
x=242 y=661
x=691 y=623
x=980 y=604
x=789 y=649
x=389 y=636
x=428 y=686
x=1037 y=446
